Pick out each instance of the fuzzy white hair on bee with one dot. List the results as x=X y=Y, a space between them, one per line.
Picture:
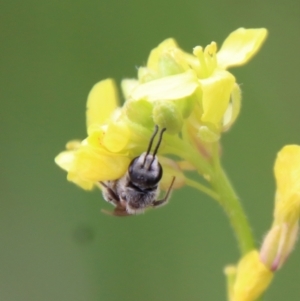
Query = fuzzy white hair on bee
x=138 y=189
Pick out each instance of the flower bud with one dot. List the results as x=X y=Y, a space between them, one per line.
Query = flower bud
x=281 y=239
x=252 y=278
x=168 y=65
x=287 y=174
x=278 y=244
x=140 y=111
x=167 y=59
x=167 y=115
x=147 y=75
x=128 y=85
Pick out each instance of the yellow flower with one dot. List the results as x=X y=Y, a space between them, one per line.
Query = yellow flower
x=170 y=100
x=189 y=94
x=252 y=278
x=112 y=142
x=282 y=236
x=172 y=74
x=221 y=95
x=99 y=157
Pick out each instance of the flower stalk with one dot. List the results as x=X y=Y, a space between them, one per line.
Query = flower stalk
x=233 y=209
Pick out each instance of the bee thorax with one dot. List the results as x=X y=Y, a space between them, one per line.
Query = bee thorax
x=137 y=201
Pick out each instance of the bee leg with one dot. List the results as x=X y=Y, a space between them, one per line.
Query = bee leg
x=164 y=201
x=111 y=197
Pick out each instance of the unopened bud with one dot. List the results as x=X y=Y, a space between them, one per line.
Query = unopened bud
x=139 y=111
x=146 y=75
x=252 y=278
x=278 y=244
x=168 y=65
x=167 y=115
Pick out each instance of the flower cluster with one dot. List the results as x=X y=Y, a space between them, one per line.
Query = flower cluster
x=195 y=98
x=191 y=94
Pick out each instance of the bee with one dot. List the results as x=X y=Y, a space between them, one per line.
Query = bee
x=138 y=189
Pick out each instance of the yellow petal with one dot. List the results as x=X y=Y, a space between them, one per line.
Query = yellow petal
x=116 y=137
x=167 y=88
x=81 y=182
x=287 y=173
x=233 y=108
x=252 y=278
x=93 y=165
x=216 y=95
x=102 y=101
x=128 y=84
x=65 y=159
x=240 y=46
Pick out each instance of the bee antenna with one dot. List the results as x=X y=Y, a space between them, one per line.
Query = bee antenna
x=150 y=144
x=157 y=146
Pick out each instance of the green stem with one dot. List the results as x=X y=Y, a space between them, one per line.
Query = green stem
x=232 y=207
x=176 y=146
x=202 y=188
x=222 y=190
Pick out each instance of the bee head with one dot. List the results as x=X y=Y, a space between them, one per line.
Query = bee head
x=145 y=171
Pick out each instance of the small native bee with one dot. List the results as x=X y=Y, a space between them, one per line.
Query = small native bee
x=138 y=188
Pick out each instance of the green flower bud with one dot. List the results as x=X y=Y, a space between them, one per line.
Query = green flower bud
x=140 y=111
x=168 y=65
x=128 y=85
x=146 y=75
x=167 y=115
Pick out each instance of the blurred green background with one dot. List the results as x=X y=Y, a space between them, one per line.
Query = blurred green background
x=55 y=245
